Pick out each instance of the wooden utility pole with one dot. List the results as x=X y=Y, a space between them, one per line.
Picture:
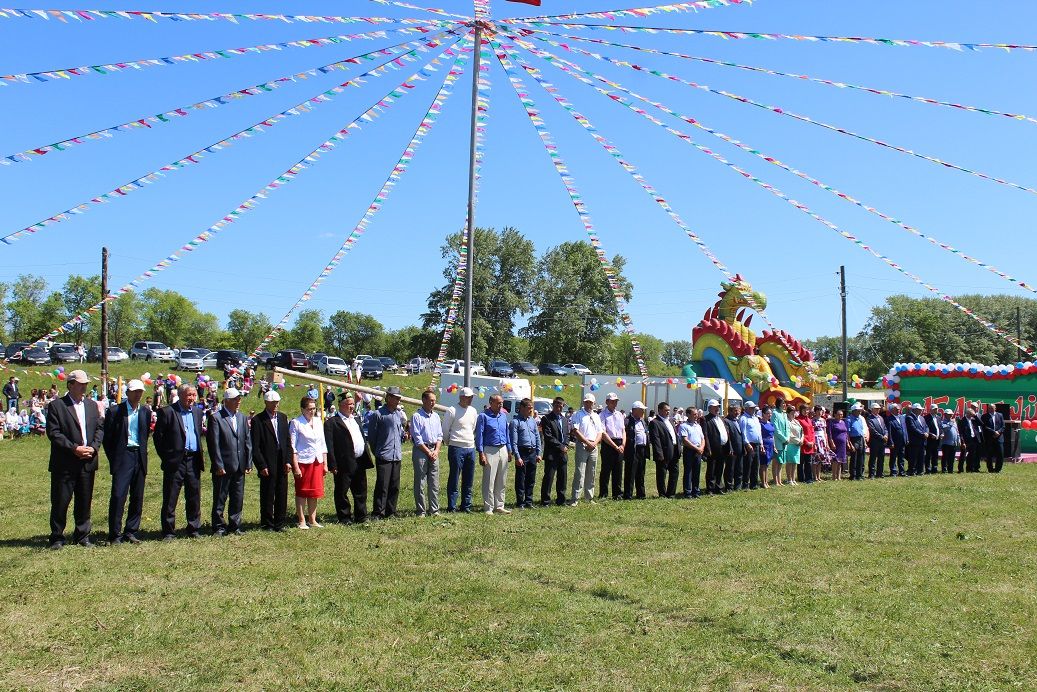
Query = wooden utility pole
x=470 y=257
x=104 y=320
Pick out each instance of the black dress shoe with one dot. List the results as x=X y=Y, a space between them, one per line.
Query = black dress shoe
x=239 y=532
x=132 y=539
x=168 y=537
x=217 y=532
x=86 y=543
x=118 y=540
x=467 y=510
x=194 y=534
x=56 y=545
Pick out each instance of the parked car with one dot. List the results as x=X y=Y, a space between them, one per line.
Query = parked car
x=448 y=366
x=290 y=359
x=115 y=354
x=64 y=353
x=372 y=369
x=523 y=367
x=500 y=368
x=389 y=364
x=315 y=356
x=15 y=348
x=35 y=355
x=554 y=369
x=151 y=350
x=477 y=368
x=578 y=369
x=263 y=356
x=359 y=360
x=330 y=365
x=209 y=361
x=189 y=360
x=542 y=406
x=203 y=352
x=230 y=357
x=417 y=365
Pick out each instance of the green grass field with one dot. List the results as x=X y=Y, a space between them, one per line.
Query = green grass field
x=897 y=584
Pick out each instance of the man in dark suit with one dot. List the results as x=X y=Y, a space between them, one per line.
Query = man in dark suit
x=733 y=472
x=993 y=437
x=662 y=438
x=718 y=447
x=230 y=454
x=272 y=456
x=11 y=393
x=635 y=455
x=75 y=429
x=897 y=441
x=878 y=436
x=971 y=441
x=178 y=441
x=127 y=427
x=917 y=434
x=555 y=428
x=932 y=440
x=348 y=461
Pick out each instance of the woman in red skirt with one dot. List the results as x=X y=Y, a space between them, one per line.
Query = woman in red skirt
x=309 y=462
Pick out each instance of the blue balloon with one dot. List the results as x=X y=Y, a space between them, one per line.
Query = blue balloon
x=959 y=368
x=1019 y=365
x=972 y=371
x=932 y=367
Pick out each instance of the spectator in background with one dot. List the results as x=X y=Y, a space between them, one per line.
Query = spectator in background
x=11 y=393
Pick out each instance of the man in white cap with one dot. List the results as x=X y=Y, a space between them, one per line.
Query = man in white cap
x=178 y=441
x=971 y=440
x=587 y=431
x=917 y=434
x=230 y=453
x=272 y=457
x=75 y=430
x=932 y=440
x=858 y=434
x=127 y=428
x=459 y=432
x=752 y=437
x=878 y=437
x=636 y=455
x=613 y=445
x=949 y=441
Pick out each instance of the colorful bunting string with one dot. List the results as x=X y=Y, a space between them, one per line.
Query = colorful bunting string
x=640 y=12
x=394 y=63
x=740 y=35
x=382 y=105
x=575 y=71
x=426 y=125
x=824 y=186
x=235 y=17
x=551 y=148
x=408 y=6
x=483 y=10
x=531 y=33
x=110 y=68
x=183 y=111
x=457 y=290
x=616 y=154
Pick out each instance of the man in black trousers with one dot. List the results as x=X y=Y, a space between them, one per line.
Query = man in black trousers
x=75 y=429
x=733 y=472
x=127 y=428
x=993 y=437
x=555 y=428
x=230 y=453
x=718 y=447
x=932 y=440
x=878 y=436
x=272 y=457
x=348 y=461
x=178 y=441
x=662 y=438
x=971 y=441
x=635 y=454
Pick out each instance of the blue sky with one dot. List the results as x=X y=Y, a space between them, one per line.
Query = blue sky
x=266 y=260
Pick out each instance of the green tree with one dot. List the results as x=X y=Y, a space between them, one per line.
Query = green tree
x=575 y=310
x=78 y=295
x=3 y=315
x=167 y=317
x=245 y=329
x=308 y=332
x=27 y=295
x=125 y=320
x=505 y=270
x=676 y=353
x=350 y=333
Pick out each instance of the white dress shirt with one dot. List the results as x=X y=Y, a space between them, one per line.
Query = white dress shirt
x=718 y=423
x=80 y=411
x=669 y=429
x=588 y=424
x=355 y=434
x=307 y=439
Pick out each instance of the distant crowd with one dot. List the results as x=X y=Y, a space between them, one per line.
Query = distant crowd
x=740 y=449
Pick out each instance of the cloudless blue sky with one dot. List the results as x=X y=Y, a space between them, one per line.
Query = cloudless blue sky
x=264 y=261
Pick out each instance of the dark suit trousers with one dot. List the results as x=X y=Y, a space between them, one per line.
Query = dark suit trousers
x=346 y=483
x=995 y=455
x=972 y=454
x=229 y=487
x=896 y=459
x=555 y=465
x=273 y=498
x=856 y=458
x=947 y=459
x=634 y=473
x=611 y=466
x=666 y=476
x=692 y=472
x=386 y=487
x=65 y=485
x=183 y=477
x=751 y=466
x=525 y=478
x=876 y=459
x=733 y=472
x=932 y=455
x=715 y=468
x=127 y=480
x=915 y=457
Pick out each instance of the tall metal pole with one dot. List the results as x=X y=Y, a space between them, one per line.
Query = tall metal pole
x=104 y=320
x=470 y=273
x=842 y=294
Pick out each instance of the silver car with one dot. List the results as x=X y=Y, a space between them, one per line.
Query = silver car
x=151 y=350
x=190 y=361
x=330 y=365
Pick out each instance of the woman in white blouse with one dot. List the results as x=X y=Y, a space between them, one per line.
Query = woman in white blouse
x=309 y=462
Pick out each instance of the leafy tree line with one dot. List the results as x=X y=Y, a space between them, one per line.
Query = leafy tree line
x=929 y=330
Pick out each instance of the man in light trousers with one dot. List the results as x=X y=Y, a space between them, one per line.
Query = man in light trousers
x=587 y=430
x=492 y=441
x=426 y=431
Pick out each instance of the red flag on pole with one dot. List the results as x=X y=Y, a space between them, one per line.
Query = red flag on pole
x=535 y=3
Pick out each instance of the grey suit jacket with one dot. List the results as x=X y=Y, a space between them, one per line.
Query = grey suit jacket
x=230 y=450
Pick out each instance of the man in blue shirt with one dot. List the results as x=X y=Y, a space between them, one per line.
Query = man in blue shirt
x=858 y=431
x=426 y=432
x=949 y=441
x=752 y=435
x=526 y=448
x=385 y=432
x=178 y=441
x=492 y=441
x=126 y=431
